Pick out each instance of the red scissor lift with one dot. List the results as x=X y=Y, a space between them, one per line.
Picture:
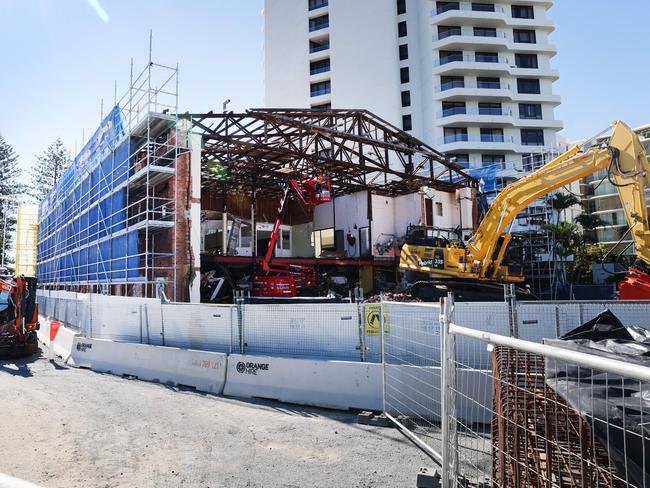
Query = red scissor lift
x=275 y=279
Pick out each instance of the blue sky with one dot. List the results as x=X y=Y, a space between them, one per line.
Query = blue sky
x=61 y=57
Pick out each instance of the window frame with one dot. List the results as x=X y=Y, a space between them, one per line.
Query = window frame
x=525 y=141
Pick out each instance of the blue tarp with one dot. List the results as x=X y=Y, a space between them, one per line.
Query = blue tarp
x=85 y=208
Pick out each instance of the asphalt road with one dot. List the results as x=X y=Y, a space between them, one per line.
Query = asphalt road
x=67 y=427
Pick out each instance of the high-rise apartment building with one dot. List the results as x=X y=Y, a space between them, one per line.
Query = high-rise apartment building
x=472 y=79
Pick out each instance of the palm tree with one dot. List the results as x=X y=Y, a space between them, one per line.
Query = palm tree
x=589 y=222
x=561 y=201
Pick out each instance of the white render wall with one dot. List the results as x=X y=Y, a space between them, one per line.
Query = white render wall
x=363 y=56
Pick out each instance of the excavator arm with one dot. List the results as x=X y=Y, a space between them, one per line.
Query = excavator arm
x=627 y=168
x=626 y=163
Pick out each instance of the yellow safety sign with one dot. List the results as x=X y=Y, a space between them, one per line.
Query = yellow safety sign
x=372 y=315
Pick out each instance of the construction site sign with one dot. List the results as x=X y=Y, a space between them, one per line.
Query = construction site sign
x=372 y=319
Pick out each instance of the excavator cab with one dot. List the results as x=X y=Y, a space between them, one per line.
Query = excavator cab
x=18 y=316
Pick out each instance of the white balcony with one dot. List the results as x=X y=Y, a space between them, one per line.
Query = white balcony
x=500 y=16
x=476 y=143
x=481 y=117
x=464 y=91
x=465 y=37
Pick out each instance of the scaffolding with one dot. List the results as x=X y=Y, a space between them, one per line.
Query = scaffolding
x=109 y=224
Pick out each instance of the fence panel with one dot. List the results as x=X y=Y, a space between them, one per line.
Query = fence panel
x=552 y=419
x=320 y=331
x=411 y=371
x=203 y=327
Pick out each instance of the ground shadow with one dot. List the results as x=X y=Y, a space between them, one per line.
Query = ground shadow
x=19 y=366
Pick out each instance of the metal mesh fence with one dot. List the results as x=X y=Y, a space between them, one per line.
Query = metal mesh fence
x=320 y=331
x=542 y=415
x=411 y=370
x=203 y=327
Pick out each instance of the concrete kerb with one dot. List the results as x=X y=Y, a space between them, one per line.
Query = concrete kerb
x=205 y=371
x=330 y=384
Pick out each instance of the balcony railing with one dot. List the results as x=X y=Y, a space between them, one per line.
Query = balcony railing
x=315 y=92
x=480 y=85
x=468 y=33
x=319 y=47
x=482 y=138
x=469 y=58
x=498 y=112
x=314 y=4
x=464 y=7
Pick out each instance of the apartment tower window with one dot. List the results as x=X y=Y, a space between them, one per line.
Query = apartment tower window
x=404 y=75
x=532 y=137
x=401 y=29
x=407 y=123
x=524 y=36
x=523 y=12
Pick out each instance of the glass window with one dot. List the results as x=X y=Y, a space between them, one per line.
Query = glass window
x=483 y=7
x=406 y=98
x=450 y=56
x=532 y=162
x=314 y=4
x=485 y=31
x=319 y=23
x=459 y=159
x=404 y=75
x=403 y=52
x=449 y=82
x=489 y=134
x=530 y=111
x=524 y=36
x=448 y=30
x=442 y=7
x=532 y=137
x=401 y=29
x=523 y=12
x=526 y=60
x=487 y=57
x=5 y=300
x=322 y=106
x=492 y=159
x=528 y=85
x=487 y=82
x=316 y=46
x=453 y=108
x=455 y=134
x=401 y=7
x=489 y=109
x=407 y=123
x=438 y=209
x=321 y=66
x=321 y=88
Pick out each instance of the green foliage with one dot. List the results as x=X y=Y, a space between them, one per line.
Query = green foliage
x=567 y=238
x=219 y=172
x=579 y=270
x=11 y=192
x=49 y=169
x=562 y=201
x=589 y=222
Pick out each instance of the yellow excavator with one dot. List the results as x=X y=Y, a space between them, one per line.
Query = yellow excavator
x=476 y=268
